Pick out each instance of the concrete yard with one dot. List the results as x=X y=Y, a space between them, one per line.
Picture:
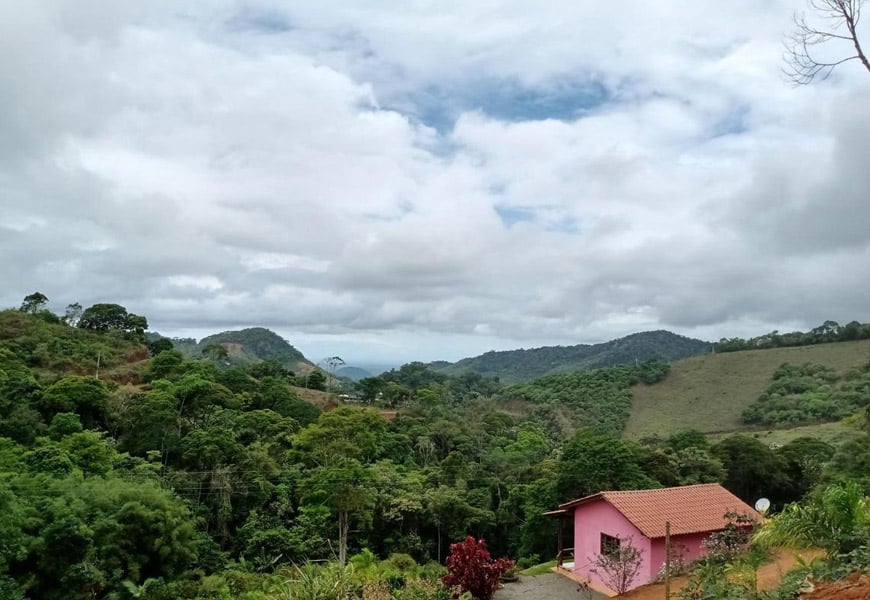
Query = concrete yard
x=548 y=586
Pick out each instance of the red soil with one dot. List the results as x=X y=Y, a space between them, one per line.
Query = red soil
x=854 y=587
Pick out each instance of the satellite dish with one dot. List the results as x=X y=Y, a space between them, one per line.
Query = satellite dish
x=762 y=504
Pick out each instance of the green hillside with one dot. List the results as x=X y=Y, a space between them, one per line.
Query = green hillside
x=353 y=373
x=599 y=398
x=50 y=348
x=251 y=345
x=710 y=392
x=513 y=366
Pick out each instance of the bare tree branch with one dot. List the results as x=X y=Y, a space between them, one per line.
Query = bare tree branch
x=803 y=65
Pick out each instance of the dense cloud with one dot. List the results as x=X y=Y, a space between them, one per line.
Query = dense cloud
x=400 y=182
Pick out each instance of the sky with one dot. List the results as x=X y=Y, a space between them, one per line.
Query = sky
x=417 y=180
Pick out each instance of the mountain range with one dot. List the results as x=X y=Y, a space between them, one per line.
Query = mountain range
x=258 y=343
x=525 y=364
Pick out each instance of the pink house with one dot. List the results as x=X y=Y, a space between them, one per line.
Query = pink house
x=605 y=520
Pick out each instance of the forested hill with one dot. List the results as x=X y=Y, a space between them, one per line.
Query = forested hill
x=248 y=346
x=523 y=365
x=353 y=373
x=127 y=470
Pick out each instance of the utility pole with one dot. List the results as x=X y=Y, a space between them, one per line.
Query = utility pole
x=667 y=560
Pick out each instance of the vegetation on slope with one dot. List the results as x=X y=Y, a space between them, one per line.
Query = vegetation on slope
x=826 y=333
x=522 y=365
x=203 y=482
x=47 y=345
x=810 y=393
x=709 y=393
x=253 y=344
x=600 y=398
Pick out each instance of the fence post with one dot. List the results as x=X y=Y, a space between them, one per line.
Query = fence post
x=667 y=560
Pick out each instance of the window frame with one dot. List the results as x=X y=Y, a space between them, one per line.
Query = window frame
x=609 y=545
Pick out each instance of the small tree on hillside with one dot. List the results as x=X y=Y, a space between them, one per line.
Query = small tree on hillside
x=73 y=314
x=34 y=303
x=619 y=566
x=316 y=381
x=471 y=568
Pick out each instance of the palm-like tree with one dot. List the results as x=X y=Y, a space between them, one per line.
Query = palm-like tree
x=836 y=519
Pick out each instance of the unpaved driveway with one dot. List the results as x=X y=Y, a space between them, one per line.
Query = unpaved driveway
x=548 y=586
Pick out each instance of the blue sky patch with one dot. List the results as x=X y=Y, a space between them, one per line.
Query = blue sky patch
x=732 y=123
x=260 y=21
x=511 y=215
x=506 y=100
x=565 y=225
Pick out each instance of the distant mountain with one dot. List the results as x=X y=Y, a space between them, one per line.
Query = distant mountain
x=354 y=373
x=247 y=346
x=522 y=365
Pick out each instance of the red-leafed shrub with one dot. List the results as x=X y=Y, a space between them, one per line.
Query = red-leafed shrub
x=471 y=569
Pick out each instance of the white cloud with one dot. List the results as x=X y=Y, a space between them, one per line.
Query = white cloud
x=610 y=168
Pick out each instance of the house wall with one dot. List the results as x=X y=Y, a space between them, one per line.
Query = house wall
x=688 y=545
x=597 y=517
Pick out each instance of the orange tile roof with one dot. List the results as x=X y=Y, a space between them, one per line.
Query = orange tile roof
x=690 y=508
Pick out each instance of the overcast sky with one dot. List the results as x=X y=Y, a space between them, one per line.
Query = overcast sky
x=389 y=181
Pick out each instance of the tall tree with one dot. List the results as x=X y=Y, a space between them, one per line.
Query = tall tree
x=73 y=314
x=592 y=462
x=346 y=487
x=337 y=446
x=85 y=396
x=34 y=303
x=103 y=317
x=754 y=470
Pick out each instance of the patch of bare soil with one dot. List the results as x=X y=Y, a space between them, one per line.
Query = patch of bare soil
x=854 y=587
x=320 y=399
x=233 y=348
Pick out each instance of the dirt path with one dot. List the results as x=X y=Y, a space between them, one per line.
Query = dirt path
x=769 y=575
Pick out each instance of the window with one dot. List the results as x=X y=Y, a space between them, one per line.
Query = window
x=609 y=545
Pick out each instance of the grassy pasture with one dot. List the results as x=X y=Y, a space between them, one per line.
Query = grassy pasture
x=709 y=392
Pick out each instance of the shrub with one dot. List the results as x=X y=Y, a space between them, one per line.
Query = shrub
x=529 y=561
x=471 y=569
x=723 y=546
x=620 y=567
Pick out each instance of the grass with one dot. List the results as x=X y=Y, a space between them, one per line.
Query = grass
x=540 y=569
x=709 y=392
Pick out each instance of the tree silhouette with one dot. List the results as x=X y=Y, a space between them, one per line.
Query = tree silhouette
x=805 y=62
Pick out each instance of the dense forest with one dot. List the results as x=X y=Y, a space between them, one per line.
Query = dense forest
x=129 y=470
